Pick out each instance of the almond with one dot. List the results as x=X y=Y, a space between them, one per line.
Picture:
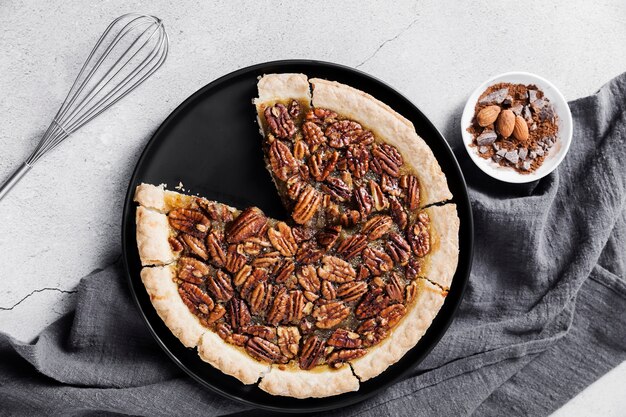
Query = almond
x=506 y=123
x=488 y=115
x=520 y=130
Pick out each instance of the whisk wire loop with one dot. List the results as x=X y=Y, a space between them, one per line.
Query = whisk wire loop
x=129 y=51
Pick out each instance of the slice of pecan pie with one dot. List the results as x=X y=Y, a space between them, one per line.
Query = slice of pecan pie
x=311 y=306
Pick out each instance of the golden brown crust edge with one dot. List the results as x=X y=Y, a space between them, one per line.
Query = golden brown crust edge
x=153 y=231
x=406 y=334
x=443 y=259
x=163 y=292
x=230 y=359
x=275 y=87
x=297 y=383
x=390 y=127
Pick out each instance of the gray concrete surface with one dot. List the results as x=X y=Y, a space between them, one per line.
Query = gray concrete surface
x=63 y=220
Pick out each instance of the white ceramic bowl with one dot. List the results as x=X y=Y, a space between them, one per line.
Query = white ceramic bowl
x=556 y=153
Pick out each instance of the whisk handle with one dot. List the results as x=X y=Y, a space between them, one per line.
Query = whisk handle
x=14 y=179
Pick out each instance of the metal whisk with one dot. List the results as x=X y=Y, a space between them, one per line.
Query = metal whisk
x=129 y=51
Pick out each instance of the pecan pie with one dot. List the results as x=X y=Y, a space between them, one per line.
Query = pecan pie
x=313 y=305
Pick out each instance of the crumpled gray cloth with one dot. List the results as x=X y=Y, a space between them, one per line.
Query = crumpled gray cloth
x=544 y=314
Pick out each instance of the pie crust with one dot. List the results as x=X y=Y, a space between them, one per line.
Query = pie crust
x=161 y=260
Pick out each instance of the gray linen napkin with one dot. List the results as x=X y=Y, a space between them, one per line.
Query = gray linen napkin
x=544 y=314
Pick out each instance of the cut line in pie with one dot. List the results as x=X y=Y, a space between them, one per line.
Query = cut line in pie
x=313 y=305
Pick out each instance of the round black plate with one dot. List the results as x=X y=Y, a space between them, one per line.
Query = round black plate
x=211 y=144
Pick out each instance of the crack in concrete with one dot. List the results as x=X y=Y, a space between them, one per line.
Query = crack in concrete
x=37 y=291
x=405 y=29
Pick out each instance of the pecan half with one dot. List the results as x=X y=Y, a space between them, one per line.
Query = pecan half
x=190 y=221
x=214 y=247
x=357 y=160
x=312 y=352
x=282 y=239
x=216 y=314
x=313 y=135
x=283 y=163
x=195 y=245
x=352 y=246
x=264 y=350
x=279 y=121
x=329 y=292
x=331 y=314
x=398 y=214
x=321 y=116
x=412 y=186
x=308 y=279
x=234 y=260
x=372 y=304
x=289 y=341
x=327 y=237
x=295 y=307
x=377 y=261
x=261 y=297
x=339 y=357
x=264 y=332
x=419 y=237
x=386 y=159
x=338 y=189
x=380 y=202
x=279 y=309
x=413 y=268
x=392 y=315
x=192 y=270
x=309 y=201
x=249 y=223
x=377 y=226
x=390 y=185
x=395 y=287
x=238 y=313
x=196 y=300
x=363 y=200
x=351 y=291
x=220 y=286
x=340 y=134
x=398 y=249
x=336 y=270
x=350 y=218
x=342 y=338
x=285 y=271
x=300 y=150
x=175 y=244
x=242 y=275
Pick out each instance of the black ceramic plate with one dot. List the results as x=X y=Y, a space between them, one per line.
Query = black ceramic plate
x=211 y=144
